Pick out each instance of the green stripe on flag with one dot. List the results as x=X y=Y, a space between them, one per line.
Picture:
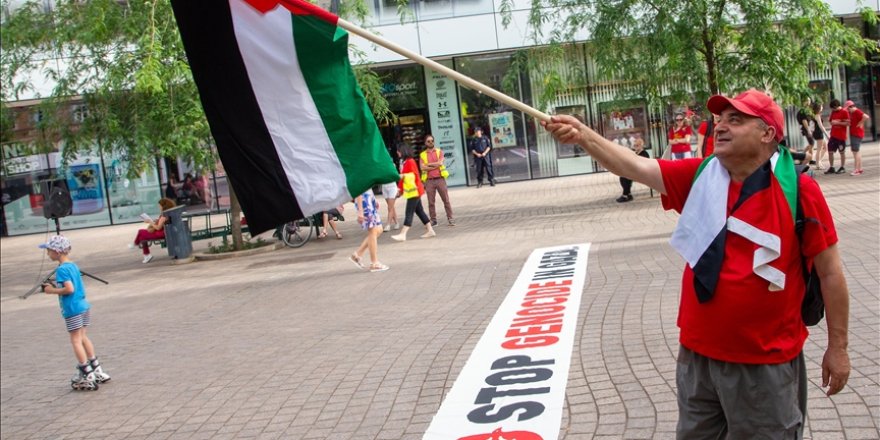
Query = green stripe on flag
x=322 y=50
x=787 y=177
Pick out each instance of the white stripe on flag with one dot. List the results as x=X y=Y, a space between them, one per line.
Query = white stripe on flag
x=307 y=156
x=704 y=213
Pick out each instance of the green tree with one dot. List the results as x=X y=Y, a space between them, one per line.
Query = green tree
x=675 y=48
x=126 y=62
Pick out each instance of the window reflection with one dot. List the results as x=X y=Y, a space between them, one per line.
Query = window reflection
x=388 y=11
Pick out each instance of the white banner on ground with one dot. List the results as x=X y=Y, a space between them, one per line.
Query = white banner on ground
x=513 y=385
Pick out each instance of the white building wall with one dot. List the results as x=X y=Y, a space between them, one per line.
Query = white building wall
x=446 y=37
x=485 y=32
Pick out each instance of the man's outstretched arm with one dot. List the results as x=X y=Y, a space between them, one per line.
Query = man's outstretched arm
x=615 y=158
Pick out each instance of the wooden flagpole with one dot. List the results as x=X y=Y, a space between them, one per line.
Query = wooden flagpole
x=437 y=67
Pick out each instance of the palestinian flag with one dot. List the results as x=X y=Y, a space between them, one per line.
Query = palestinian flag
x=291 y=125
x=768 y=195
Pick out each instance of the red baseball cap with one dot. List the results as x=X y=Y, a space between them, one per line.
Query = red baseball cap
x=848 y=104
x=752 y=103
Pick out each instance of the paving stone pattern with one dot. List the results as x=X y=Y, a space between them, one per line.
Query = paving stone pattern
x=300 y=344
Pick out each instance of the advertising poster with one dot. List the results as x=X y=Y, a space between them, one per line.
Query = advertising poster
x=84 y=182
x=446 y=123
x=501 y=127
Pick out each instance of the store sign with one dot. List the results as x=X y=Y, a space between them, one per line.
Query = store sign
x=513 y=385
x=392 y=90
x=21 y=165
x=446 y=123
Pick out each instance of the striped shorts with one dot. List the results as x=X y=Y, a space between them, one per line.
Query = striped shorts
x=77 y=322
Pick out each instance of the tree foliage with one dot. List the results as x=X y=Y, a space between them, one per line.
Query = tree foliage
x=675 y=48
x=125 y=61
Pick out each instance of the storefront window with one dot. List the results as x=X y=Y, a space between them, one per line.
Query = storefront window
x=129 y=198
x=98 y=196
x=388 y=11
x=624 y=122
x=500 y=122
x=428 y=9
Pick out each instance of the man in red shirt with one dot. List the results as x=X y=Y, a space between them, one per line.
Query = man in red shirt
x=857 y=119
x=839 y=123
x=740 y=310
x=680 y=138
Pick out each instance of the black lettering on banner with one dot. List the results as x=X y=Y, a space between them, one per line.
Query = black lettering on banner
x=523 y=375
x=483 y=413
x=486 y=395
x=518 y=362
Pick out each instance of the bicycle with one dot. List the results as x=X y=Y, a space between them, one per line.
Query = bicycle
x=296 y=233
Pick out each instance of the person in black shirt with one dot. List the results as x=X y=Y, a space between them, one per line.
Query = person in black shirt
x=626 y=184
x=806 y=122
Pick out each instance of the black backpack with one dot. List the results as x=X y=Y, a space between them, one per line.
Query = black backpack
x=813 y=307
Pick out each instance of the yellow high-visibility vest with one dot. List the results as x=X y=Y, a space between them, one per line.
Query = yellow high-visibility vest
x=424 y=158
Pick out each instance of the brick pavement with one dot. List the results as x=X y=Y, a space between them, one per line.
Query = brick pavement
x=297 y=343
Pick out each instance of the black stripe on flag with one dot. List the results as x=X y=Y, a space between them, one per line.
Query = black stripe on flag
x=243 y=141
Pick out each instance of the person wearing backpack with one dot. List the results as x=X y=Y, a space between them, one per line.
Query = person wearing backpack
x=741 y=371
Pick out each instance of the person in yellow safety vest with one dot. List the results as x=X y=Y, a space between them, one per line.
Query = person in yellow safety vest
x=434 y=175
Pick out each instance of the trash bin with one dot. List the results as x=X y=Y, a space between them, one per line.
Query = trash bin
x=177 y=234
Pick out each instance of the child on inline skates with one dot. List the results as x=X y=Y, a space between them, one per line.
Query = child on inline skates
x=75 y=310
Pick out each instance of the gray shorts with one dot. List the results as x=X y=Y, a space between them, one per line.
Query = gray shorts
x=740 y=401
x=855 y=143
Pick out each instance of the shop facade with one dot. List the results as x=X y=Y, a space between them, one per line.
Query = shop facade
x=468 y=37
x=101 y=191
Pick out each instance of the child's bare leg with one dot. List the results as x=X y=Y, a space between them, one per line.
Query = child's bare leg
x=76 y=340
x=87 y=344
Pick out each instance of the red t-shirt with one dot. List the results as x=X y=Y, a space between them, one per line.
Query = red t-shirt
x=710 y=141
x=409 y=166
x=744 y=322
x=839 y=131
x=855 y=117
x=680 y=133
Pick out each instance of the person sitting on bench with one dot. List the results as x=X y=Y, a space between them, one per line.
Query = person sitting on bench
x=155 y=230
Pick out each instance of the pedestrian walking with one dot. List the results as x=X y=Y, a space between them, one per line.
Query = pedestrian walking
x=370 y=221
x=626 y=184
x=412 y=189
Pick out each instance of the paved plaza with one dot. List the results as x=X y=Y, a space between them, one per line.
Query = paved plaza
x=300 y=344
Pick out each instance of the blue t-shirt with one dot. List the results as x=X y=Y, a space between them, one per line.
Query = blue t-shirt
x=74 y=303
